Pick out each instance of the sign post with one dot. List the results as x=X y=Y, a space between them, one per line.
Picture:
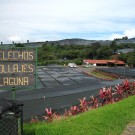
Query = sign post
x=13 y=93
x=36 y=70
x=18 y=68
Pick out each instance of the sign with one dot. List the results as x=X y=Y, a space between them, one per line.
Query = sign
x=17 y=67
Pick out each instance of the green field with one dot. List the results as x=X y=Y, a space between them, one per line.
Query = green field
x=107 y=120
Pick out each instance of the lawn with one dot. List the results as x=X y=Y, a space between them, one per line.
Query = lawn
x=106 y=120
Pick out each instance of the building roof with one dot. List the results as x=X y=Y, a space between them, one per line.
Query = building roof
x=104 y=61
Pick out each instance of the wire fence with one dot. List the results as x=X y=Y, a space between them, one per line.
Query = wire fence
x=11 y=119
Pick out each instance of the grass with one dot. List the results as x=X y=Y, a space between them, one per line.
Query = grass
x=107 y=120
x=100 y=75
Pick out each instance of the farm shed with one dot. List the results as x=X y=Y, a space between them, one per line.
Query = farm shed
x=104 y=62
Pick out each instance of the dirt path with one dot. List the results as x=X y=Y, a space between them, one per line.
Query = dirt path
x=130 y=129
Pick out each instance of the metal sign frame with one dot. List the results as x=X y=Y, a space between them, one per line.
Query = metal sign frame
x=20 y=62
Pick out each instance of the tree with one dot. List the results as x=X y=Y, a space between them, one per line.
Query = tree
x=131 y=61
x=125 y=38
x=103 y=52
x=123 y=57
x=92 y=51
x=113 y=46
x=19 y=45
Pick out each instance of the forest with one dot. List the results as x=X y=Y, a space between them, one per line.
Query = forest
x=63 y=54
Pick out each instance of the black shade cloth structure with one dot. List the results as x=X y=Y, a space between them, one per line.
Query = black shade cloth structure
x=11 y=117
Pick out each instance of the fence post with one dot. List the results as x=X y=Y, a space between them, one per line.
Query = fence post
x=36 y=68
x=14 y=93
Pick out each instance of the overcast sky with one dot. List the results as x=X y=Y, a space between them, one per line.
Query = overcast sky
x=45 y=20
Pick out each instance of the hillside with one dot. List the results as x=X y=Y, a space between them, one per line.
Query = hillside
x=74 y=41
x=77 y=41
x=131 y=40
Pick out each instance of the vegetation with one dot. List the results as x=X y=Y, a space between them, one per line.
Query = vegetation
x=51 y=53
x=63 y=54
x=59 y=54
x=19 y=45
x=103 y=75
x=129 y=58
x=110 y=119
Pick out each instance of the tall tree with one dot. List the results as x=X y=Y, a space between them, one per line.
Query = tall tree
x=131 y=61
x=103 y=52
x=113 y=46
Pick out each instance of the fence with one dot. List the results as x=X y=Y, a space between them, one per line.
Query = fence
x=11 y=117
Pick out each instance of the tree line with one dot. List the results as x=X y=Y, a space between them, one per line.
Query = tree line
x=63 y=54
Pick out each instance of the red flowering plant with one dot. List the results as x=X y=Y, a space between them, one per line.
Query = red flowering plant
x=94 y=102
x=74 y=110
x=124 y=90
x=126 y=87
x=119 y=92
x=50 y=116
x=34 y=119
x=83 y=105
x=67 y=113
x=132 y=87
x=106 y=95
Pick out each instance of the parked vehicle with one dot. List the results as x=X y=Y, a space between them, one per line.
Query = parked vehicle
x=72 y=65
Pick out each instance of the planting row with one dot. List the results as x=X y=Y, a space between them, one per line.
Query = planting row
x=106 y=96
x=120 y=72
x=109 y=76
x=102 y=75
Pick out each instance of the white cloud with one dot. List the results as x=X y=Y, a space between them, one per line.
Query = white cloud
x=115 y=35
x=14 y=38
x=130 y=33
x=42 y=19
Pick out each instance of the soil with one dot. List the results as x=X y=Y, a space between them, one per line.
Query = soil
x=130 y=129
